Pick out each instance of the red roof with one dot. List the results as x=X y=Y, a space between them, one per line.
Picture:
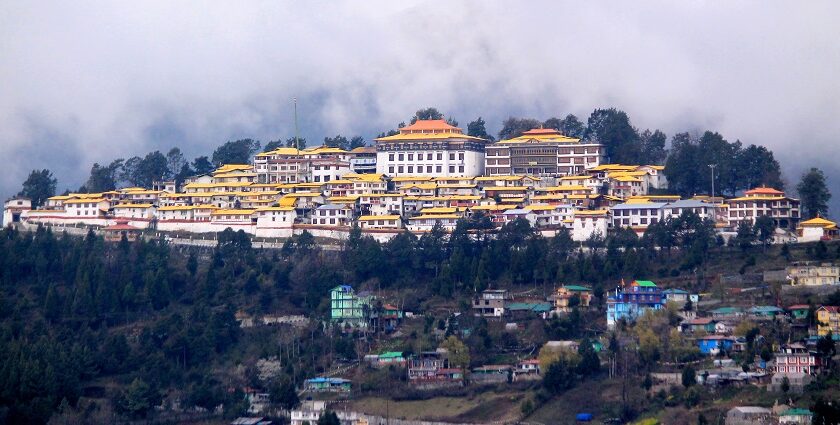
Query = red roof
x=699 y=321
x=425 y=125
x=541 y=131
x=831 y=308
x=799 y=307
x=764 y=191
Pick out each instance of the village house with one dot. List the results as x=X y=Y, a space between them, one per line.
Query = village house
x=631 y=301
x=714 y=344
x=491 y=303
x=431 y=368
x=349 y=308
x=749 y=415
x=568 y=296
x=527 y=370
x=764 y=201
x=817 y=229
x=492 y=374
x=322 y=384
x=388 y=358
x=828 y=320
x=813 y=274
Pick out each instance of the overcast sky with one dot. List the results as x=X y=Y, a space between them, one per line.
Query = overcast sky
x=84 y=81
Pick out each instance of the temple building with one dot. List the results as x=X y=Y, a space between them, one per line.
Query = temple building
x=430 y=148
x=542 y=152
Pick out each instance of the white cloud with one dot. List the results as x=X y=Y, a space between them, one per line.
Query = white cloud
x=84 y=82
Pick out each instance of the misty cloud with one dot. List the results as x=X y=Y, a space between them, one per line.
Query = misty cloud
x=82 y=82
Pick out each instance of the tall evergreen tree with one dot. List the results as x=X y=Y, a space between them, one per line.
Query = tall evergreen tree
x=813 y=193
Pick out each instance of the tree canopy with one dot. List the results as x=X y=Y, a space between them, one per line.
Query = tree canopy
x=237 y=152
x=813 y=193
x=39 y=186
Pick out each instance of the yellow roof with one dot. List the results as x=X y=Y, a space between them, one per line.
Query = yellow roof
x=625 y=178
x=83 y=201
x=540 y=207
x=756 y=198
x=606 y=167
x=499 y=207
x=86 y=195
x=133 y=206
x=545 y=137
x=439 y=210
x=309 y=185
x=378 y=217
x=226 y=168
x=818 y=222
x=364 y=177
x=344 y=199
x=59 y=198
x=590 y=212
x=280 y=151
x=287 y=202
x=339 y=181
x=322 y=149
x=234 y=174
x=275 y=209
x=234 y=212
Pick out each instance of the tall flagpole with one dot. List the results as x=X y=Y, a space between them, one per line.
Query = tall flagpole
x=297 y=147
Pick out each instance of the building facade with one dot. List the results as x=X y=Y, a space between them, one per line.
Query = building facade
x=630 y=302
x=764 y=201
x=430 y=147
x=542 y=152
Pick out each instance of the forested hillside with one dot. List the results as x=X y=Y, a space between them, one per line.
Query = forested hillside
x=95 y=330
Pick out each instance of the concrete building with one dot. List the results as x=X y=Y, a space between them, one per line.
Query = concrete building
x=430 y=147
x=631 y=301
x=542 y=152
x=491 y=303
x=764 y=201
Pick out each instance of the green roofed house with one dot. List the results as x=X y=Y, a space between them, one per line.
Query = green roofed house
x=796 y=416
x=528 y=309
x=563 y=297
x=386 y=359
x=765 y=312
x=726 y=312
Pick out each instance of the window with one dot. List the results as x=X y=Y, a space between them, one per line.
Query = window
x=451 y=168
x=429 y=156
x=390 y=157
x=451 y=156
x=390 y=170
x=429 y=169
x=400 y=169
x=461 y=156
x=410 y=169
x=439 y=156
x=401 y=157
x=438 y=169
x=460 y=168
x=411 y=157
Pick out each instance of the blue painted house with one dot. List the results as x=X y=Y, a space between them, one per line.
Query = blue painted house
x=713 y=344
x=631 y=301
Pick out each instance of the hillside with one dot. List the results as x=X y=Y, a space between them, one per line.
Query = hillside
x=94 y=329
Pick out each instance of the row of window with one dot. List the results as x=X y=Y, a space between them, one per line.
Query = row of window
x=429 y=156
x=428 y=169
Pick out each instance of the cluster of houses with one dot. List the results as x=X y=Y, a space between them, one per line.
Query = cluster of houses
x=429 y=174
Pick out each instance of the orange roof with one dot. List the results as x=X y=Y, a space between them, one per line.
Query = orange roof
x=764 y=191
x=425 y=125
x=541 y=131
